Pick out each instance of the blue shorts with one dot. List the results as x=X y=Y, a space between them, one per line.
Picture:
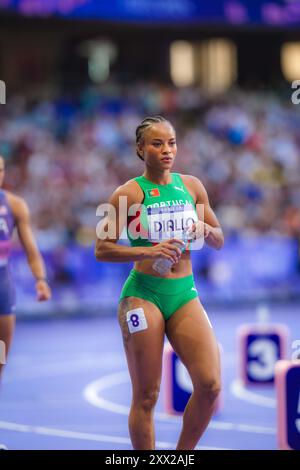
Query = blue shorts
x=7 y=292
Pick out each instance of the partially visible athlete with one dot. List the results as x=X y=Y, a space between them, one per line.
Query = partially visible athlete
x=14 y=213
x=151 y=305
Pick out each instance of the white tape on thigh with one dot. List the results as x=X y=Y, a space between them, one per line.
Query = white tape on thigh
x=2 y=353
x=207 y=318
x=136 y=320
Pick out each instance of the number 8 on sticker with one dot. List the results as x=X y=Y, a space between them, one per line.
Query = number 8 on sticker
x=136 y=320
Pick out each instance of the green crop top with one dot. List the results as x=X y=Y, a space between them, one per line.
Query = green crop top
x=166 y=212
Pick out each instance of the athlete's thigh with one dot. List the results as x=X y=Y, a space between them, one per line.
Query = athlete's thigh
x=143 y=348
x=192 y=338
x=7 y=326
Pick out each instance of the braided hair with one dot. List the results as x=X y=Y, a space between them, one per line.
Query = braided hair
x=143 y=126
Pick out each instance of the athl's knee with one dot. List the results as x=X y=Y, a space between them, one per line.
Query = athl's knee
x=210 y=386
x=148 y=399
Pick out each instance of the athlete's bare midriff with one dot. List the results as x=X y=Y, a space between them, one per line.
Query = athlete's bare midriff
x=181 y=269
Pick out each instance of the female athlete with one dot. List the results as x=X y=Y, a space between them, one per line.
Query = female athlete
x=151 y=305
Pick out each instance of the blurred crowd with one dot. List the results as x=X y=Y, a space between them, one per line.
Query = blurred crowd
x=68 y=154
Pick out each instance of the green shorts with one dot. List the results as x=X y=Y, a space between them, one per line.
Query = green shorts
x=167 y=294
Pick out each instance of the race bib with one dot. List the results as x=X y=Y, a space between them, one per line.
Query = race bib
x=170 y=221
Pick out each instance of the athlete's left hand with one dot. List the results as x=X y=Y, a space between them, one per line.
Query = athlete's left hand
x=199 y=230
x=43 y=291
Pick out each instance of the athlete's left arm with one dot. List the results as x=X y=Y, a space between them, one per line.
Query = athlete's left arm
x=22 y=216
x=209 y=227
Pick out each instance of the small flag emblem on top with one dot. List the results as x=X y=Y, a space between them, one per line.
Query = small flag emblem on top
x=153 y=192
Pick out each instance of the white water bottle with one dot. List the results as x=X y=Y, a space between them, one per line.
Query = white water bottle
x=163 y=265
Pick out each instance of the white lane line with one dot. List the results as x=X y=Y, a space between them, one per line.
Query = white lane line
x=83 y=436
x=25 y=428
x=92 y=395
x=29 y=372
x=238 y=390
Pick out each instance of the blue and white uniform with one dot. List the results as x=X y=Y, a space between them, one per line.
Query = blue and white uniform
x=7 y=224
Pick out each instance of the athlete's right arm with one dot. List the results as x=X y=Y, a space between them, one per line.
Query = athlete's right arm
x=111 y=226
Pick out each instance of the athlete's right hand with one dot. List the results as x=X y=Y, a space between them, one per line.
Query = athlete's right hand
x=166 y=249
x=43 y=290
